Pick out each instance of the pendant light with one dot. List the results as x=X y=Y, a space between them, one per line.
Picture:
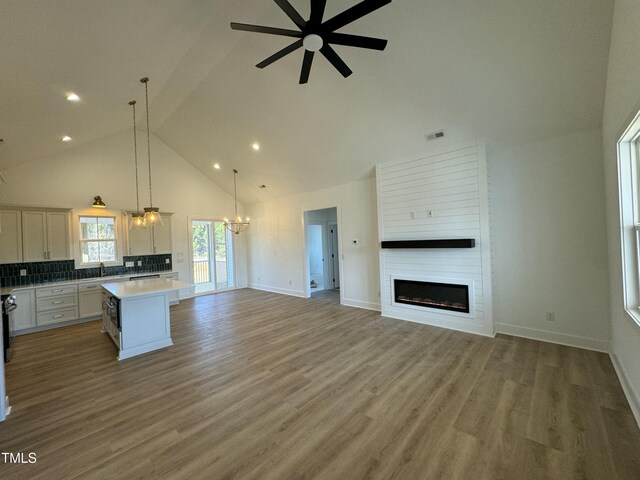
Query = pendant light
x=137 y=217
x=237 y=225
x=151 y=213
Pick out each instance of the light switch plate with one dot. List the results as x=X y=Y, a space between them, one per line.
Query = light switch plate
x=139 y=263
x=23 y=273
x=129 y=264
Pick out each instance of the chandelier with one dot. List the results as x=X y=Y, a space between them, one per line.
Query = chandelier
x=236 y=226
x=151 y=213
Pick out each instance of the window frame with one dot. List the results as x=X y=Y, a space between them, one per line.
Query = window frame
x=628 y=155
x=78 y=241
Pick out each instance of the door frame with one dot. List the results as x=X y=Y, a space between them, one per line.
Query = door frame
x=306 y=277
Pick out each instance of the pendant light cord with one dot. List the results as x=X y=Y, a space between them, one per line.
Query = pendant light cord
x=135 y=154
x=235 y=192
x=145 y=80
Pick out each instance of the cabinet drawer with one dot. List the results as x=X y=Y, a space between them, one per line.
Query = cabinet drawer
x=56 y=303
x=89 y=287
x=56 y=290
x=47 y=318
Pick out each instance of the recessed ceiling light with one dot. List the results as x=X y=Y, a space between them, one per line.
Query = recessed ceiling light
x=256 y=146
x=66 y=138
x=72 y=97
x=216 y=166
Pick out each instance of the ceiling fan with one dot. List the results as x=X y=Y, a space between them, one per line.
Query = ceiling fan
x=315 y=35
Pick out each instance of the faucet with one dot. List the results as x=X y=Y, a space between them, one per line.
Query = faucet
x=102 y=269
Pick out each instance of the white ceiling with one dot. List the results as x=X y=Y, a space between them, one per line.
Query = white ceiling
x=513 y=71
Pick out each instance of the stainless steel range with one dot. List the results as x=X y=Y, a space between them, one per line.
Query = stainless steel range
x=8 y=303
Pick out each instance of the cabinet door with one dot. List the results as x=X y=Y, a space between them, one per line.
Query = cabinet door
x=10 y=236
x=25 y=315
x=140 y=241
x=162 y=236
x=91 y=303
x=57 y=235
x=34 y=236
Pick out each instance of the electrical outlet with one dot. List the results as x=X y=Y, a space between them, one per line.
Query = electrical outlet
x=129 y=264
x=551 y=317
x=23 y=273
x=166 y=260
x=139 y=263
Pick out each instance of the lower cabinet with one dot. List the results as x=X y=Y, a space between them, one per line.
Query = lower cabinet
x=90 y=300
x=55 y=304
x=24 y=316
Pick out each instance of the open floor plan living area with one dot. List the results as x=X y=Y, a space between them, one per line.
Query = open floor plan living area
x=320 y=239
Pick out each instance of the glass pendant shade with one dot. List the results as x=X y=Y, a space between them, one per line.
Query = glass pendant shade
x=137 y=220
x=152 y=216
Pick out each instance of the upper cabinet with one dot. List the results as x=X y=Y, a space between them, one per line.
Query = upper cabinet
x=153 y=239
x=10 y=236
x=45 y=235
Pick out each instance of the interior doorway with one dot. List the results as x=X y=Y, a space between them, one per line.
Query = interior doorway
x=322 y=253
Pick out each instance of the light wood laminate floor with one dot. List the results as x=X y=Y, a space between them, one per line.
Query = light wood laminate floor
x=265 y=386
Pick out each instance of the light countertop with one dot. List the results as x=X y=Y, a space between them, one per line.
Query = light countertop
x=140 y=288
x=109 y=279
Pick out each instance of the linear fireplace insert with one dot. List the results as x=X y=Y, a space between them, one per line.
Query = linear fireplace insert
x=445 y=296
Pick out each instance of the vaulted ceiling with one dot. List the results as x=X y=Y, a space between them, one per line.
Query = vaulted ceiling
x=511 y=71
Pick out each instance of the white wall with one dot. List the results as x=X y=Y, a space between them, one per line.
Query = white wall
x=276 y=248
x=106 y=168
x=549 y=240
x=622 y=102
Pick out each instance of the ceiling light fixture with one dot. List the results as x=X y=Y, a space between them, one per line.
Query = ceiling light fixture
x=137 y=217
x=237 y=225
x=72 y=97
x=66 y=138
x=151 y=213
x=256 y=146
x=98 y=203
x=216 y=166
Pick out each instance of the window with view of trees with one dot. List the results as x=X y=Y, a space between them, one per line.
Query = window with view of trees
x=98 y=239
x=212 y=254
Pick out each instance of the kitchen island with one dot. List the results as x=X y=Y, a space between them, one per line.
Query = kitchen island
x=136 y=314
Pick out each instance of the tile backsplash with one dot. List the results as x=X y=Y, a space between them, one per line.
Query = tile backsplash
x=42 y=272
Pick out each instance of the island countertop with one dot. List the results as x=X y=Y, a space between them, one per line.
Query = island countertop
x=140 y=288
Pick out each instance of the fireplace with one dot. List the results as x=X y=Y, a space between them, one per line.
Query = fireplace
x=443 y=296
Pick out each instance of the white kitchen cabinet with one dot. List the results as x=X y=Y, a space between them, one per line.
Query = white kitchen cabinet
x=45 y=235
x=174 y=296
x=152 y=239
x=56 y=303
x=24 y=316
x=10 y=236
x=89 y=300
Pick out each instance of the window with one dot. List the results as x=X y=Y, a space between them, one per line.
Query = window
x=98 y=239
x=212 y=255
x=629 y=190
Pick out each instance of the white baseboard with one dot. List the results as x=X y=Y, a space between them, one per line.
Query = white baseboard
x=554 y=337
x=632 y=396
x=283 y=291
x=347 y=302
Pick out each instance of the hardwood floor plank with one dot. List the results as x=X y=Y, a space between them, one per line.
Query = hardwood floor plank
x=264 y=386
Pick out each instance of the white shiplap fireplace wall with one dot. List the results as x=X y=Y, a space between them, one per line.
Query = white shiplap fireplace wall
x=442 y=196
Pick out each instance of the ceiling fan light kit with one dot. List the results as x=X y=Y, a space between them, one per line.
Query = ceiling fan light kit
x=315 y=35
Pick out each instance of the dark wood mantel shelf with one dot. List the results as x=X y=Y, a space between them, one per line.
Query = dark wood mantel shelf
x=444 y=243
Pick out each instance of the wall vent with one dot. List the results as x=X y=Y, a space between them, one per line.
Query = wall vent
x=434 y=135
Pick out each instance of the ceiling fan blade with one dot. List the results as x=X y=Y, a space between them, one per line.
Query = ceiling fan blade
x=261 y=29
x=291 y=13
x=278 y=55
x=352 y=14
x=356 y=41
x=317 y=11
x=306 y=66
x=331 y=55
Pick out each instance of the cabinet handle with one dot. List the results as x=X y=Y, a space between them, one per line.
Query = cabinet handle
x=58 y=302
x=60 y=315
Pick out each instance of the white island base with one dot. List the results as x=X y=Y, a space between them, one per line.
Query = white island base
x=142 y=307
